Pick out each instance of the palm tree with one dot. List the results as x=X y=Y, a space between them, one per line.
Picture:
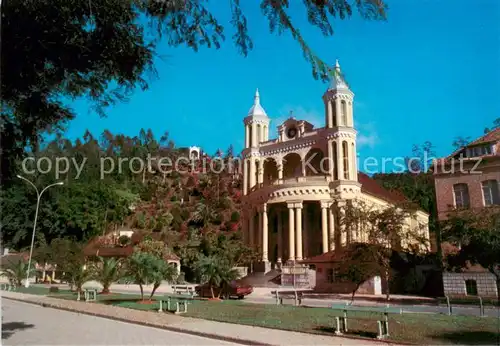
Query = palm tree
x=15 y=272
x=76 y=275
x=166 y=272
x=215 y=271
x=203 y=213
x=107 y=271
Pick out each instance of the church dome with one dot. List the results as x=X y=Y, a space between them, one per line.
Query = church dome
x=257 y=109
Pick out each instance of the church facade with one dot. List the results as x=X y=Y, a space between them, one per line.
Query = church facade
x=294 y=186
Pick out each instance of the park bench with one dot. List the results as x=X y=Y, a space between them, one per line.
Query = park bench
x=184 y=289
x=7 y=287
x=180 y=304
x=380 y=313
x=90 y=294
x=296 y=297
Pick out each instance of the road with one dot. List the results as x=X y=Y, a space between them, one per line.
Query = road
x=456 y=310
x=28 y=324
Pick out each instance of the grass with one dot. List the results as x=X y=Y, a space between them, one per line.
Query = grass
x=411 y=328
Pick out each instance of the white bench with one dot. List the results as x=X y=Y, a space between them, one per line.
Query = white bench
x=180 y=305
x=380 y=315
x=184 y=289
x=295 y=296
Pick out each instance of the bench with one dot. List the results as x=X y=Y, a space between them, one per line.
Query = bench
x=381 y=314
x=295 y=296
x=7 y=287
x=90 y=294
x=180 y=305
x=184 y=289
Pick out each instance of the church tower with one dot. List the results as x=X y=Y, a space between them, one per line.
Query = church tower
x=338 y=100
x=256 y=131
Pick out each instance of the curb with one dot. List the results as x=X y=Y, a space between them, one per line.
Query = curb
x=145 y=324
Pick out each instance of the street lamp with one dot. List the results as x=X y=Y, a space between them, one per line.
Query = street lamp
x=39 y=195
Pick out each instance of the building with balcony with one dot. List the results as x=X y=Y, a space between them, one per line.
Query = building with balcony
x=295 y=186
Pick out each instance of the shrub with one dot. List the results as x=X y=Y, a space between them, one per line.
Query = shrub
x=123 y=240
x=235 y=216
x=53 y=289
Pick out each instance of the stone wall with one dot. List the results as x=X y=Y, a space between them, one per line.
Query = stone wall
x=454 y=284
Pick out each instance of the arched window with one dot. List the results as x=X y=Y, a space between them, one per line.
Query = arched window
x=471 y=287
x=334 y=161
x=346 y=160
x=490 y=192
x=343 y=112
x=461 y=194
x=259 y=133
x=334 y=112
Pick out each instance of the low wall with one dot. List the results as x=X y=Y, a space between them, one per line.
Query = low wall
x=454 y=284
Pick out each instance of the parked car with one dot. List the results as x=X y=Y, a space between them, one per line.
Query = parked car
x=232 y=290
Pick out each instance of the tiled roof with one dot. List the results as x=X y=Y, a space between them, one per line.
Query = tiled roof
x=372 y=187
x=13 y=257
x=93 y=248
x=492 y=136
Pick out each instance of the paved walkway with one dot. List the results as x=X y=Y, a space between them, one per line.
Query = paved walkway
x=29 y=324
x=218 y=330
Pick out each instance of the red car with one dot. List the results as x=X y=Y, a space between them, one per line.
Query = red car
x=234 y=289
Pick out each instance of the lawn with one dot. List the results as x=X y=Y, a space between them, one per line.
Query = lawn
x=411 y=328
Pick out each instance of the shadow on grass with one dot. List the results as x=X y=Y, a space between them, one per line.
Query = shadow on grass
x=9 y=328
x=471 y=337
x=360 y=333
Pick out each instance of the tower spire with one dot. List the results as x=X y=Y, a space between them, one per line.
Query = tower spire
x=256 y=97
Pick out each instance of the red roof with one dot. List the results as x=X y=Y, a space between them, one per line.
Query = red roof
x=93 y=248
x=372 y=187
x=492 y=136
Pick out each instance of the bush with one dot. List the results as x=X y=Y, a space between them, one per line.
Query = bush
x=123 y=240
x=235 y=216
x=53 y=289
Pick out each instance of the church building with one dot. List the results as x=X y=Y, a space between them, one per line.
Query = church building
x=294 y=186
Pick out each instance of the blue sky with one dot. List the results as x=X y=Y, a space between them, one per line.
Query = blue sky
x=430 y=72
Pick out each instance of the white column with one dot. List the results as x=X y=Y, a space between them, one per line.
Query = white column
x=343 y=234
x=245 y=177
x=280 y=236
x=252 y=173
x=265 y=239
x=331 y=224
x=279 y=163
x=254 y=135
x=305 y=230
x=247 y=136
x=338 y=112
x=261 y=172
x=259 y=230
x=329 y=116
x=329 y=151
x=291 y=232
x=354 y=162
x=324 y=226
x=298 y=211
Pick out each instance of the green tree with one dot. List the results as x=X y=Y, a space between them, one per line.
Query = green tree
x=15 y=272
x=477 y=233
x=107 y=271
x=102 y=50
x=359 y=262
x=144 y=268
x=216 y=272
